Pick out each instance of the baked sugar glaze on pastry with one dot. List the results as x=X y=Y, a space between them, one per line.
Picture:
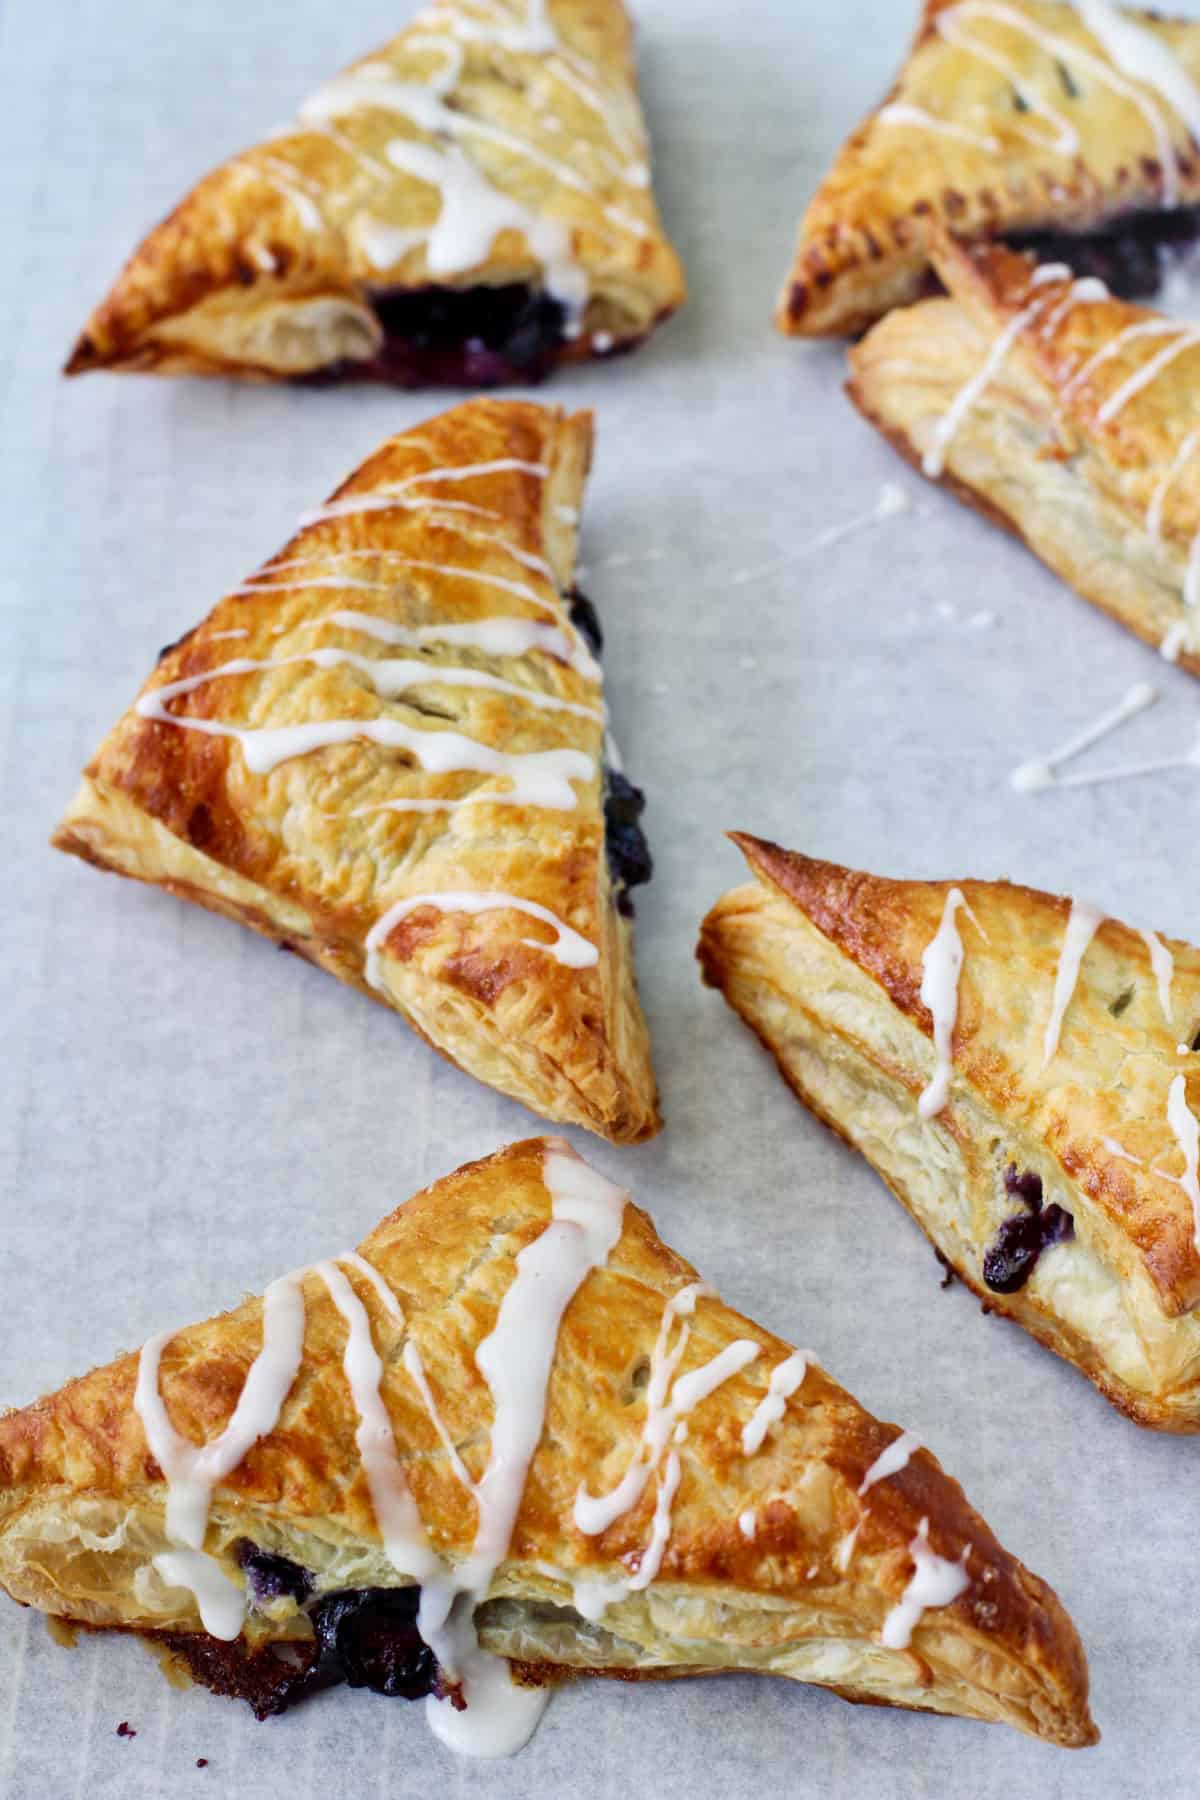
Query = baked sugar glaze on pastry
x=1071 y=127
x=1021 y=1071
x=510 y=1439
x=388 y=751
x=470 y=206
x=1062 y=413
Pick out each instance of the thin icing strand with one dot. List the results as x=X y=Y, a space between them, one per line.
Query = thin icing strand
x=568 y=948
x=891 y=1461
x=786 y=1377
x=935 y=1583
x=1186 y=1128
x=1083 y=922
x=941 y=964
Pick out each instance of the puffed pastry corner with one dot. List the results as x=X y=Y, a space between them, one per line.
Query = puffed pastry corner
x=1069 y=128
x=1063 y=414
x=471 y=205
x=387 y=752
x=515 y=1425
x=1021 y=1071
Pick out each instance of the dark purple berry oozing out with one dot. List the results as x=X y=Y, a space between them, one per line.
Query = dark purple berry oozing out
x=1012 y=1256
x=475 y=337
x=629 y=860
x=271 y=1577
x=586 y=620
x=369 y=1637
x=1128 y=255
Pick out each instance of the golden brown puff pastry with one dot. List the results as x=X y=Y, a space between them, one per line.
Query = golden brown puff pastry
x=1068 y=416
x=387 y=752
x=1035 y=1112
x=471 y=205
x=1072 y=127
x=578 y=1450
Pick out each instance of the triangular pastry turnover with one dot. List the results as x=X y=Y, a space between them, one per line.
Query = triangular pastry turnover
x=515 y=1425
x=386 y=751
x=1023 y=1074
x=469 y=205
x=1068 y=416
x=1073 y=128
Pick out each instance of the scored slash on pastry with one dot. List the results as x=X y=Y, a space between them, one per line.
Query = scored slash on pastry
x=1063 y=414
x=387 y=751
x=515 y=1425
x=1072 y=129
x=1021 y=1071
x=470 y=206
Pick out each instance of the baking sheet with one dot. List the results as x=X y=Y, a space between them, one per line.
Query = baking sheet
x=185 y=1113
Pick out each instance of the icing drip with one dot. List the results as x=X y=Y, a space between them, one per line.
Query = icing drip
x=1124 y=44
x=395 y=494
x=891 y=502
x=494 y=637
x=1158 y=499
x=390 y=677
x=891 y=1461
x=900 y=113
x=1083 y=922
x=666 y=1406
x=404 y=1540
x=934 y=460
x=1186 y=1128
x=1188 y=339
x=1066 y=141
x=515 y=1360
x=747 y=1524
x=941 y=964
x=540 y=777
x=1163 y=965
x=568 y=948
x=786 y=1377
x=1143 y=56
x=1114 y=346
x=1042 y=772
x=935 y=1582
x=192 y=1471
x=1086 y=288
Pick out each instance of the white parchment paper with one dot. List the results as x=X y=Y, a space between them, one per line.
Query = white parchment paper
x=184 y=1113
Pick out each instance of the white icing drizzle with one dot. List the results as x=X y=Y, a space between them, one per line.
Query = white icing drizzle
x=1163 y=965
x=935 y=1582
x=948 y=24
x=1142 y=328
x=1174 y=639
x=891 y=1461
x=394 y=495
x=220 y=1602
x=786 y=1377
x=390 y=677
x=1083 y=922
x=1158 y=498
x=522 y=589
x=666 y=1405
x=1086 y=288
x=386 y=1297
x=288 y=183
x=899 y=112
x=192 y=1471
x=1186 y=1127
x=846 y=1549
x=934 y=460
x=892 y=501
x=748 y=1524
x=568 y=948
x=1124 y=45
x=540 y=777
x=941 y=965
x=1042 y=771
x=592 y=1595
x=495 y=637
x=411 y=1358
x=1188 y=339
x=404 y=1540
x=515 y=1360
x=1143 y=56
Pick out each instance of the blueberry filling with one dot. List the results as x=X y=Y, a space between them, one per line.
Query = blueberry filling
x=1128 y=255
x=271 y=1577
x=629 y=859
x=586 y=620
x=369 y=1637
x=1012 y=1256
x=470 y=337
x=365 y=1637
